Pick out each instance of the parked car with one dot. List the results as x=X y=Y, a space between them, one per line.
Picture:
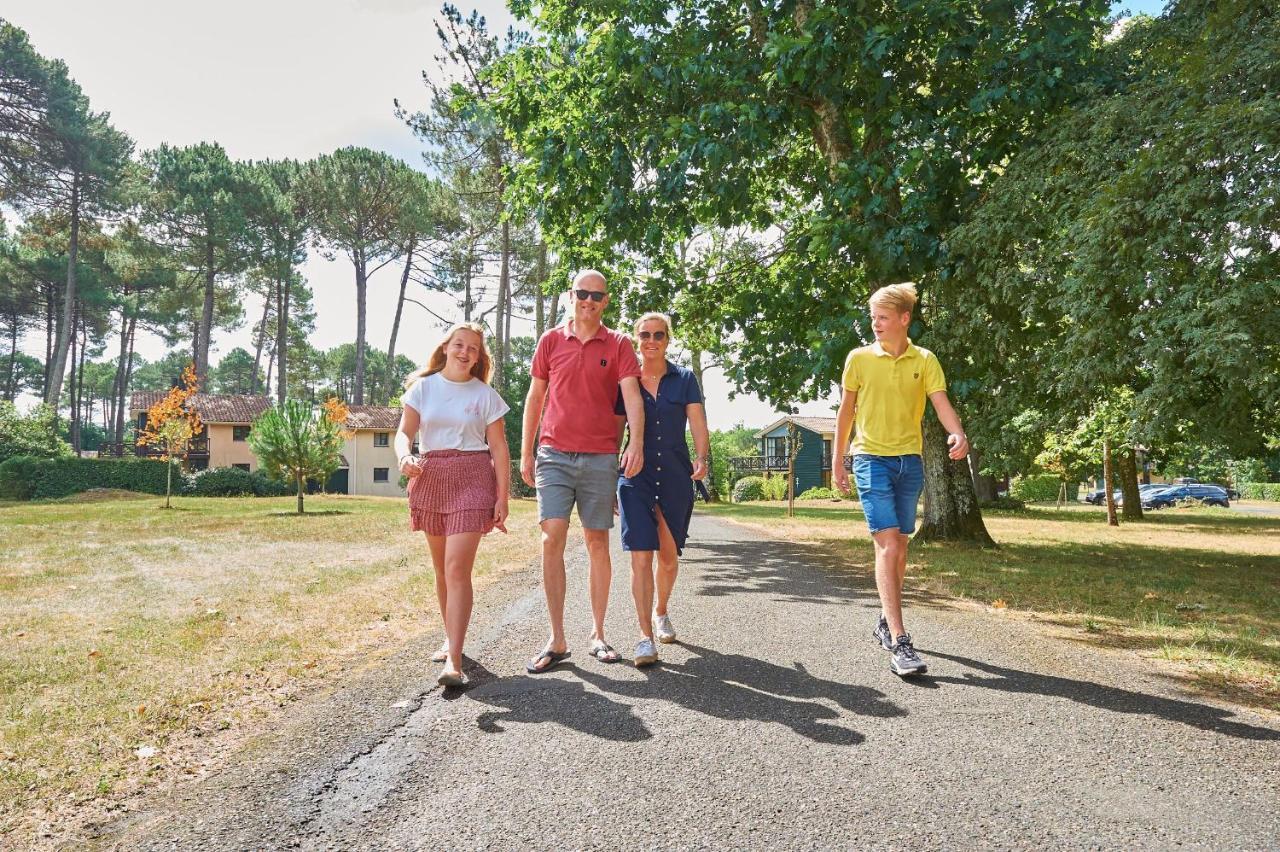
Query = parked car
x=1209 y=495
x=1145 y=491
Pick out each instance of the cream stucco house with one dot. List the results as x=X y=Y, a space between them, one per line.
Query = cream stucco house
x=369 y=455
x=223 y=442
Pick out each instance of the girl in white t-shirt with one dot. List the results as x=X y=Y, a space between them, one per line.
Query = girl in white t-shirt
x=460 y=481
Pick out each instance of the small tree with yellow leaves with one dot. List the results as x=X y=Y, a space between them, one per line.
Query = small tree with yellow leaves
x=171 y=425
x=295 y=443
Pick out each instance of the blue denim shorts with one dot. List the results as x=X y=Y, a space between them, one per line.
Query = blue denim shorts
x=889 y=487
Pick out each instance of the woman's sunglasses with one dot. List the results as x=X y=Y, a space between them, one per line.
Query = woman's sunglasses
x=593 y=295
x=656 y=335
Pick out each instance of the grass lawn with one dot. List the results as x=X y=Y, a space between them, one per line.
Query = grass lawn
x=1199 y=587
x=126 y=630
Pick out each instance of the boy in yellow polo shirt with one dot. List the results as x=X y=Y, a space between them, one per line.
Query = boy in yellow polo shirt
x=885 y=385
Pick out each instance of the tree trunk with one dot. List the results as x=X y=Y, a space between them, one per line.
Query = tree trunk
x=262 y=334
x=206 y=318
x=116 y=382
x=361 y=291
x=951 y=510
x=504 y=307
x=53 y=390
x=300 y=480
x=168 y=480
x=124 y=384
x=540 y=284
x=1129 y=485
x=395 y=324
x=1107 y=486
x=283 y=292
x=11 y=385
x=553 y=316
x=984 y=486
x=713 y=493
x=467 y=305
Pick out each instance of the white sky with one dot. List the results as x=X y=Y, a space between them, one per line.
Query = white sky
x=280 y=78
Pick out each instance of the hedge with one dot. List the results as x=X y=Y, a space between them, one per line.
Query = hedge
x=234 y=482
x=822 y=494
x=43 y=478
x=1259 y=490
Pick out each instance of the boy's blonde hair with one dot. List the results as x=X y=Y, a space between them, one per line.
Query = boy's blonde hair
x=900 y=298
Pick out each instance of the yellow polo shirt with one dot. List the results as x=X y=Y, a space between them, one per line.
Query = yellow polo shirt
x=891 y=393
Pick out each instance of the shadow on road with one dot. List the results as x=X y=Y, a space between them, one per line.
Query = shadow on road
x=739 y=688
x=786 y=570
x=545 y=698
x=1202 y=716
x=792 y=572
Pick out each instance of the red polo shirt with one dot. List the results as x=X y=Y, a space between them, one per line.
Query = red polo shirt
x=582 y=386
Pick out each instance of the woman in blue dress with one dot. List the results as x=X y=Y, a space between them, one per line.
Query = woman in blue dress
x=656 y=503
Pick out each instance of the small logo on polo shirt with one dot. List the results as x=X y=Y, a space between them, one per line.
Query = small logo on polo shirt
x=915 y=375
x=604 y=362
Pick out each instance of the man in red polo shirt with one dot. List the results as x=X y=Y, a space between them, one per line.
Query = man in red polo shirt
x=577 y=370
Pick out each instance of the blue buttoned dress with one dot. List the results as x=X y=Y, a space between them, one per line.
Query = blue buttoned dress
x=666 y=481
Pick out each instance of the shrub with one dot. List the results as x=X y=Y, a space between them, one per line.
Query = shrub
x=748 y=488
x=822 y=494
x=30 y=478
x=1259 y=490
x=19 y=476
x=775 y=488
x=1035 y=487
x=1009 y=503
x=34 y=435
x=235 y=482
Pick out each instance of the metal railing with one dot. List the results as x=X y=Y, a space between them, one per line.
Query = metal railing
x=199 y=447
x=777 y=463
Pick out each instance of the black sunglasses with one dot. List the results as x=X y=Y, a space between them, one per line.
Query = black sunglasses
x=656 y=335
x=593 y=295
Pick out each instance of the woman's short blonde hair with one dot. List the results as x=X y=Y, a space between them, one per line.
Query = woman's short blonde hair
x=899 y=298
x=654 y=315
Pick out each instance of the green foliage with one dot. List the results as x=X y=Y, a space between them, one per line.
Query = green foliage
x=234 y=482
x=1013 y=504
x=828 y=130
x=235 y=373
x=294 y=443
x=749 y=488
x=24 y=477
x=1132 y=244
x=823 y=494
x=33 y=434
x=1259 y=490
x=1035 y=487
x=775 y=487
x=725 y=445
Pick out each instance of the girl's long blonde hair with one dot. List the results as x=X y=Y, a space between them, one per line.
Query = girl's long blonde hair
x=482 y=369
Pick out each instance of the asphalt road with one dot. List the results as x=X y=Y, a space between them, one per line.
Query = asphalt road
x=775 y=723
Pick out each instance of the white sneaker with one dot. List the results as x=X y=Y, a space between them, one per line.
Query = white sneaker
x=663 y=630
x=646 y=652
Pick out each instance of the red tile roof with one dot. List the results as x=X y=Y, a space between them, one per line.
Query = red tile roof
x=380 y=417
x=237 y=409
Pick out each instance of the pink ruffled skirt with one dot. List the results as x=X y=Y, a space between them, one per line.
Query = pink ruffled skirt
x=455 y=493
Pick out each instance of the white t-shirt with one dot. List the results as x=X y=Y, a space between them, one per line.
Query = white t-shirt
x=454 y=414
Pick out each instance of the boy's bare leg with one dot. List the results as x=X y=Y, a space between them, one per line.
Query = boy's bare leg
x=891 y=554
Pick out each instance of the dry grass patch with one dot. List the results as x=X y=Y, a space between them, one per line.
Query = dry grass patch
x=1199 y=588
x=125 y=628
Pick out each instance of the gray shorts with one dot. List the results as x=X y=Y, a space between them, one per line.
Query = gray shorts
x=588 y=479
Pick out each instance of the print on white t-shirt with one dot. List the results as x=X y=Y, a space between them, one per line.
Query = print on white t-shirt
x=454 y=415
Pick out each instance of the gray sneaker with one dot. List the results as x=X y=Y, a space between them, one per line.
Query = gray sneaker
x=882 y=635
x=905 y=661
x=663 y=630
x=646 y=652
